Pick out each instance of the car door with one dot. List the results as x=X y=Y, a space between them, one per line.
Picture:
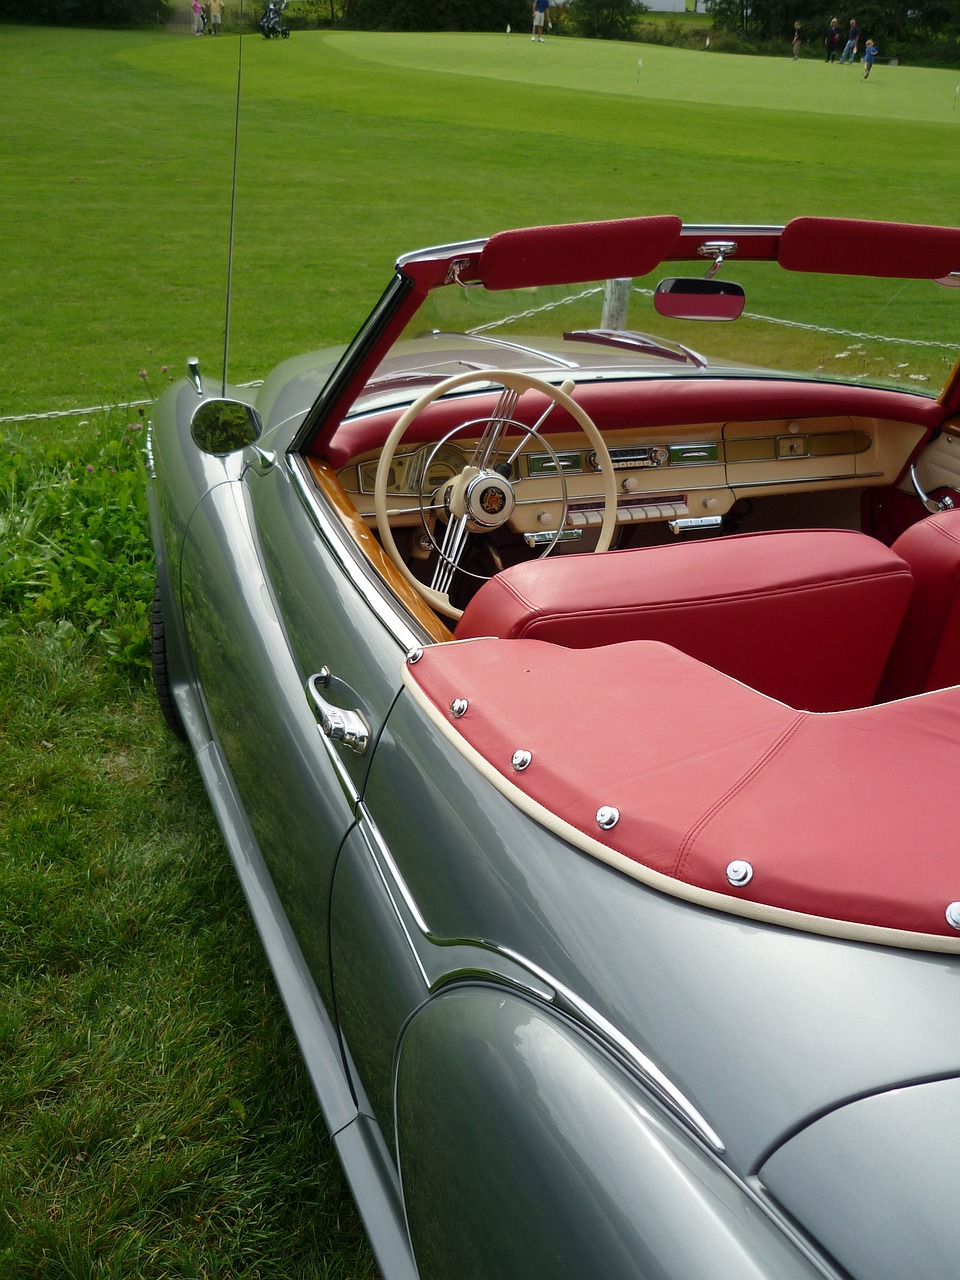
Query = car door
x=285 y=636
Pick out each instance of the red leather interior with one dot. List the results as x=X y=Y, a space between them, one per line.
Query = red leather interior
x=805 y=616
x=841 y=817
x=926 y=653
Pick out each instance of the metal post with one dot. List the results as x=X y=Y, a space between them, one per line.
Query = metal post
x=616 y=298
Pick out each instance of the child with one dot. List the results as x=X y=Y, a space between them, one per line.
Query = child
x=869 y=53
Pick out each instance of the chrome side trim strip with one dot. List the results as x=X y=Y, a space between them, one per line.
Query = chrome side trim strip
x=563 y=998
x=372 y=832
x=656 y=1081
x=805 y=480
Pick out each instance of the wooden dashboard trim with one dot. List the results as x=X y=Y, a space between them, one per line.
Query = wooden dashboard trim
x=339 y=500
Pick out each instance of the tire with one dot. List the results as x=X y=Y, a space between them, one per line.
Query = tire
x=161 y=672
x=285 y=35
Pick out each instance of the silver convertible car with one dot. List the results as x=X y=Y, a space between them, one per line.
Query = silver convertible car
x=573 y=664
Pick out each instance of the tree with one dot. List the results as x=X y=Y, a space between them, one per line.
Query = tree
x=605 y=19
x=87 y=13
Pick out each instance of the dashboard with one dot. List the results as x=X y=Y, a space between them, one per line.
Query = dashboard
x=689 y=472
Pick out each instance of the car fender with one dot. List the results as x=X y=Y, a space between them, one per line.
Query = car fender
x=179 y=474
x=526 y=1151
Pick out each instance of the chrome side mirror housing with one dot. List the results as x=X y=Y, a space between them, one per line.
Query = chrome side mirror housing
x=224 y=426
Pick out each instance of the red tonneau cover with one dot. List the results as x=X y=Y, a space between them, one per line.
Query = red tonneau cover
x=843 y=818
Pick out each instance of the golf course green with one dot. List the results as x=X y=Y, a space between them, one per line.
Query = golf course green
x=357 y=147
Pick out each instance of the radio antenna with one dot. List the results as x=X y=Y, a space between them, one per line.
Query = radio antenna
x=233 y=210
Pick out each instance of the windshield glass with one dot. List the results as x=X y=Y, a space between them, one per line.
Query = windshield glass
x=879 y=332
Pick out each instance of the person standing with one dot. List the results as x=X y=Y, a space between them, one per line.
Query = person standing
x=832 y=40
x=850 y=48
x=541 y=14
x=197 y=17
x=797 y=41
x=216 y=15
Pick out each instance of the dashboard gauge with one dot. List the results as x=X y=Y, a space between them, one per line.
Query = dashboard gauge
x=399 y=478
x=440 y=464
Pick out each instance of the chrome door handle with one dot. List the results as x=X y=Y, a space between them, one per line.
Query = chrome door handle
x=348 y=727
x=933 y=505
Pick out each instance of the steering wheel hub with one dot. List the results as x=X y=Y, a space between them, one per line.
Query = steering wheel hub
x=489 y=500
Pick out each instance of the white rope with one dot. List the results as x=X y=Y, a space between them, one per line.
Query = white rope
x=73 y=413
x=749 y=315
x=97 y=408
x=852 y=333
x=524 y=315
x=535 y=311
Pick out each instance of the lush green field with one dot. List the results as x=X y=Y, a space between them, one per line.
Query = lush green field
x=154 y=1121
x=117 y=158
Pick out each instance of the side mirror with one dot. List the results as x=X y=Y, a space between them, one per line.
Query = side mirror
x=698 y=299
x=224 y=426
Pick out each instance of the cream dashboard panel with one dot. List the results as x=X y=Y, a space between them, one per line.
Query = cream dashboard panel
x=821 y=453
x=694 y=470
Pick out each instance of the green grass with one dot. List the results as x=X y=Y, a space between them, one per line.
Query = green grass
x=355 y=148
x=154 y=1119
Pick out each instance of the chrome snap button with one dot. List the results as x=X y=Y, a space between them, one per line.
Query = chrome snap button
x=608 y=816
x=739 y=873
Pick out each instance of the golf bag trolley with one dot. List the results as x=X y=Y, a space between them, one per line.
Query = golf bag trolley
x=271 y=24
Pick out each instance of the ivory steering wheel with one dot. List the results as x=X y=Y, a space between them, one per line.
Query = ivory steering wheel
x=482 y=497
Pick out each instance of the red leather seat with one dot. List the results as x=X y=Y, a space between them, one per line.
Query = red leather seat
x=926 y=652
x=806 y=616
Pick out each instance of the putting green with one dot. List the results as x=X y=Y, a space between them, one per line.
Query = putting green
x=663 y=74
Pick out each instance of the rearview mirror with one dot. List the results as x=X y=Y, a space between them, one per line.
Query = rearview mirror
x=698 y=299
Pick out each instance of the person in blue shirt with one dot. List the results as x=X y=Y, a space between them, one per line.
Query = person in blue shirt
x=850 y=48
x=541 y=14
x=869 y=53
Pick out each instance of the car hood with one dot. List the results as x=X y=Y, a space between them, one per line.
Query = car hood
x=876 y=1181
x=291 y=388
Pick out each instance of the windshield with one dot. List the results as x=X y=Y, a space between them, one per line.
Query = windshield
x=878 y=332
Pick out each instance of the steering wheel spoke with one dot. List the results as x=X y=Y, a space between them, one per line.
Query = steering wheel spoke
x=450 y=553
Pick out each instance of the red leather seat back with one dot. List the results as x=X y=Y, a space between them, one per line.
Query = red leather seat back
x=806 y=616
x=926 y=652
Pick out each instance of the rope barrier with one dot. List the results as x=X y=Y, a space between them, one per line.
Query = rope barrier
x=523 y=315
x=749 y=315
x=72 y=413
x=95 y=408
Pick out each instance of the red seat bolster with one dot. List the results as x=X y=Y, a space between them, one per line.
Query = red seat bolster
x=806 y=616
x=926 y=653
